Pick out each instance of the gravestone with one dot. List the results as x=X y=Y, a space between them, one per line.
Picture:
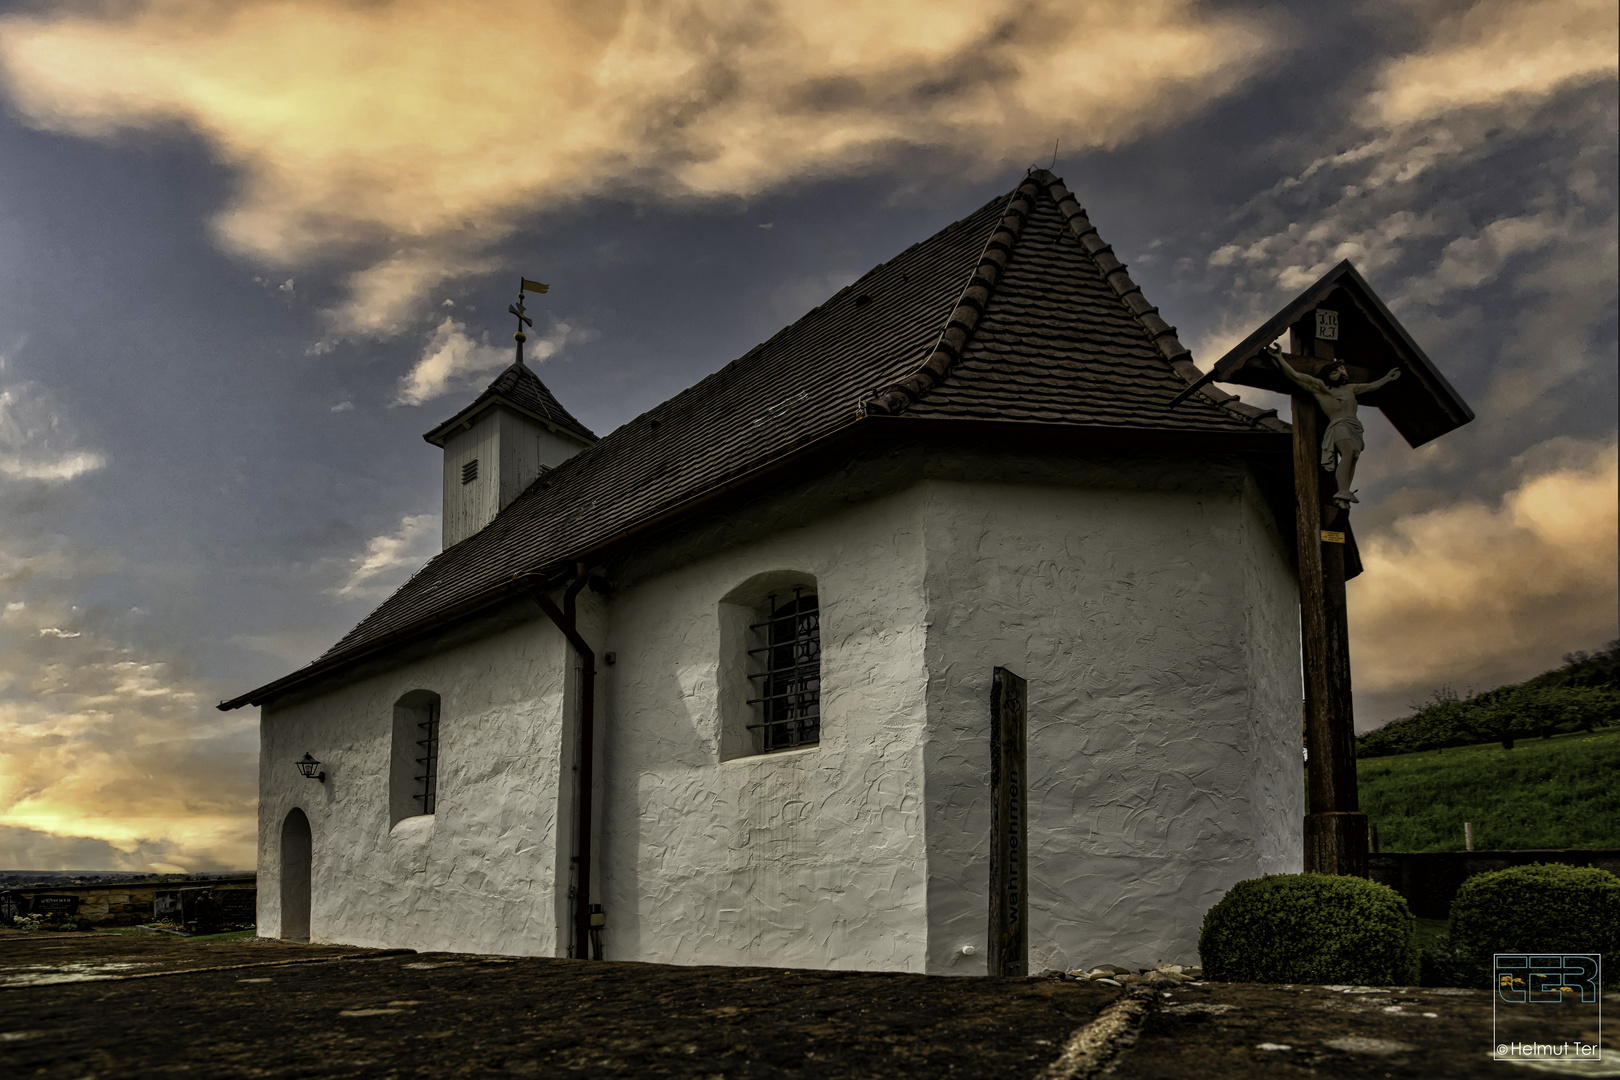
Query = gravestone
x=55 y=905
x=237 y=905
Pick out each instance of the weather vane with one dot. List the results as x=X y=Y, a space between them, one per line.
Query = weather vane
x=524 y=286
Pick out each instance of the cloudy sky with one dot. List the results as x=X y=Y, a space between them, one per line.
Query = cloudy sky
x=250 y=251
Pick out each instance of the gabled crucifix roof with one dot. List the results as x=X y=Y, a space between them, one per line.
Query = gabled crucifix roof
x=1422 y=405
x=519 y=389
x=1015 y=322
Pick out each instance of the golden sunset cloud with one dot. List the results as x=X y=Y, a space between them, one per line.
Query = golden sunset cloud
x=1467 y=589
x=102 y=742
x=104 y=760
x=413 y=134
x=1491 y=52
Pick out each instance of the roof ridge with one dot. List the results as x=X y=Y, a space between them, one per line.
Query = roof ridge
x=894 y=399
x=518 y=386
x=554 y=409
x=1162 y=334
x=667 y=405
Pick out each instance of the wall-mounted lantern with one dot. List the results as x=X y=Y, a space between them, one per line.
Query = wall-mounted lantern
x=308 y=765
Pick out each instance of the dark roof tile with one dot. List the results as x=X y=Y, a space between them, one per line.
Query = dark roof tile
x=1017 y=312
x=518 y=386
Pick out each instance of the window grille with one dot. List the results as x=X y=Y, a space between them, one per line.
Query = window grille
x=790 y=684
x=427 y=761
x=469 y=471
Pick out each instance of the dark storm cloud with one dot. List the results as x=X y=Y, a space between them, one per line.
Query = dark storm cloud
x=209 y=469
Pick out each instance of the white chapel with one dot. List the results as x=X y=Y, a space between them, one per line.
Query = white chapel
x=717 y=687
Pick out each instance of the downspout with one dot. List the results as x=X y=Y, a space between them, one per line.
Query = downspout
x=566 y=622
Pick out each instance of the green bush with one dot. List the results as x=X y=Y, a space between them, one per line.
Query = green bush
x=1310 y=928
x=1545 y=907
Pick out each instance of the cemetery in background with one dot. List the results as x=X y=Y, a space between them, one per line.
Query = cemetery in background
x=183 y=904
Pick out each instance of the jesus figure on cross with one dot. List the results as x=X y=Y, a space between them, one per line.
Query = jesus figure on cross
x=1342 y=441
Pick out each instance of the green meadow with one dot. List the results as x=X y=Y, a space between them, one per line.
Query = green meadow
x=1562 y=792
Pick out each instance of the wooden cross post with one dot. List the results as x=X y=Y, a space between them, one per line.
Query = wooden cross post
x=1340 y=311
x=1335 y=829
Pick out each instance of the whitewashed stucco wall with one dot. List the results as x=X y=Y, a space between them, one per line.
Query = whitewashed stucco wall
x=1276 y=757
x=812 y=857
x=478 y=875
x=1153 y=688
x=1149 y=603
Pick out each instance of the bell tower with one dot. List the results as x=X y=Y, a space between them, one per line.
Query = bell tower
x=497 y=446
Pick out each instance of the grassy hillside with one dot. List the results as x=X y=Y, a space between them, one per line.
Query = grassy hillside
x=1545 y=793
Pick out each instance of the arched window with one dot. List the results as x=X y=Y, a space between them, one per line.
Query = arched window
x=413 y=786
x=787 y=672
x=770 y=665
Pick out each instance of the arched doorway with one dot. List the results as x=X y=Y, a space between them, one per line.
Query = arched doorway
x=297 y=848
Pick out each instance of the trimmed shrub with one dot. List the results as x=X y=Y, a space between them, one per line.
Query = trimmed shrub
x=1310 y=928
x=1544 y=907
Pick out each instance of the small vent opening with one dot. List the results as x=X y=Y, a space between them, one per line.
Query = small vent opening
x=469 y=471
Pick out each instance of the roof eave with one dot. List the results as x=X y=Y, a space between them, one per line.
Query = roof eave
x=1003 y=432
x=494 y=399
x=322 y=668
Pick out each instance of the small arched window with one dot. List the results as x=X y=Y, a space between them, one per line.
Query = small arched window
x=413 y=786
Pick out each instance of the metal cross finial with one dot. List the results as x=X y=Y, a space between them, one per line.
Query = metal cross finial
x=524 y=286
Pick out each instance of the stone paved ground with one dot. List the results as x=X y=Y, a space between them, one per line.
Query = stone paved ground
x=93 y=1005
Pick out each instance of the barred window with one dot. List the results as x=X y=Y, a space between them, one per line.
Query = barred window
x=427 y=760
x=413 y=786
x=786 y=678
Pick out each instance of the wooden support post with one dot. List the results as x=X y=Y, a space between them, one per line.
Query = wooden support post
x=1335 y=829
x=1009 y=827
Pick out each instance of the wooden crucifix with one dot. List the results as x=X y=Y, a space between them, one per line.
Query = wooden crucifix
x=1345 y=349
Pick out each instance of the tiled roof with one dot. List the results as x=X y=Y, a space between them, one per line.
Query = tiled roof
x=517 y=386
x=1016 y=313
x=1053 y=330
